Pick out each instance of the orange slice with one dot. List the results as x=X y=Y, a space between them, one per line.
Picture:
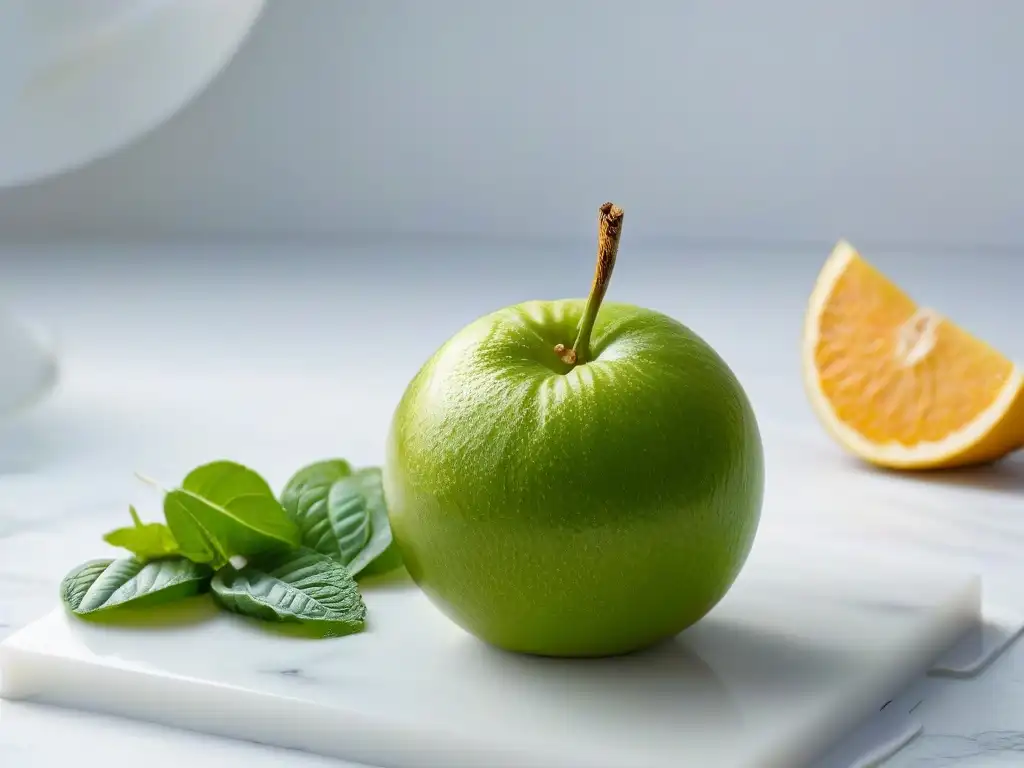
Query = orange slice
x=899 y=385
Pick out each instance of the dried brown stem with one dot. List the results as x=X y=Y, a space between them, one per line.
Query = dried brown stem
x=609 y=232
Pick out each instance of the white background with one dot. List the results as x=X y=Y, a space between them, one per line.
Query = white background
x=764 y=130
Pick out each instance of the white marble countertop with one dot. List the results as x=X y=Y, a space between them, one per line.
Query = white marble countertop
x=175 y=355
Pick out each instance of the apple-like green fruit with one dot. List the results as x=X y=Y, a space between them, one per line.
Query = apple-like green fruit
x=577 y=502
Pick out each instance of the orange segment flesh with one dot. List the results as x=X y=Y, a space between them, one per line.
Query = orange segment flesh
x=900 y=385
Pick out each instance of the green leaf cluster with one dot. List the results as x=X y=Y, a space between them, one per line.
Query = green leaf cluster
x=296 y=558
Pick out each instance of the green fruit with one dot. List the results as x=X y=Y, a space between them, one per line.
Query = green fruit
x=575 y=502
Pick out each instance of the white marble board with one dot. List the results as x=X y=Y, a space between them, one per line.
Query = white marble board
x=811 y=641
x=164 y=370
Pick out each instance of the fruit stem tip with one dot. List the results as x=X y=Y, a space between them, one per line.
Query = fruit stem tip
x=609 y=232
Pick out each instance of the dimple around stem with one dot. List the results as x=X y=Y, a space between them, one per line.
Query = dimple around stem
x=609 y=231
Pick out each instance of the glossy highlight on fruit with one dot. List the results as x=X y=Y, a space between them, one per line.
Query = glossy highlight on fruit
x=584 y=501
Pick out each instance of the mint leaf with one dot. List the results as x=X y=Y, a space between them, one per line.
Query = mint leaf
x=224 y=509
x=147 y=541
x=99 y=586
x=381 y=553
x=348 y=511
x=331 y=511
x=298 y=587
x=307 y=489
x=342 y=514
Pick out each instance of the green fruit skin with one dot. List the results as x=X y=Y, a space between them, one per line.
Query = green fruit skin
x=574 y=512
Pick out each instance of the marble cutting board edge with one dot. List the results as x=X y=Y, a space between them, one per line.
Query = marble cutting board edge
x=801 y=651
